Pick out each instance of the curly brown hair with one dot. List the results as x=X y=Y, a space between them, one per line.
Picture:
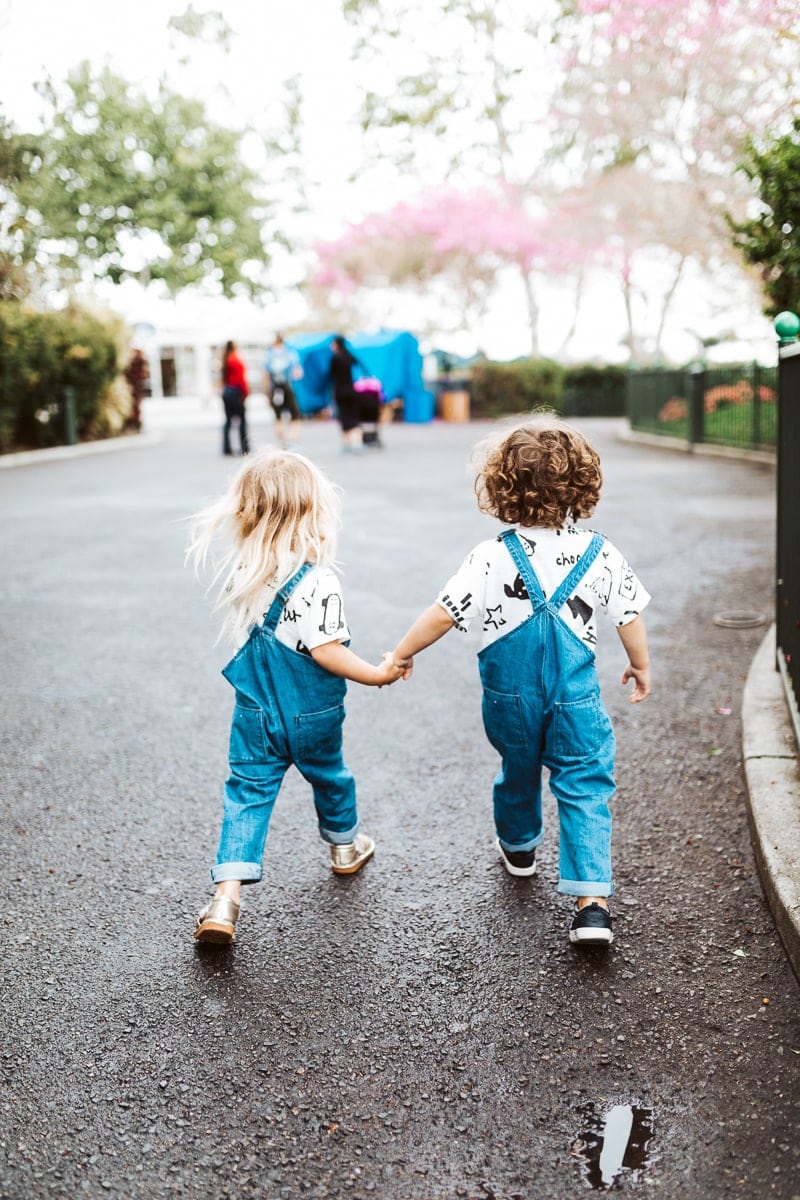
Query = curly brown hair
x=538 y=475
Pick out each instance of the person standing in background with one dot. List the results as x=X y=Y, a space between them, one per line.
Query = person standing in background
x=137 y=374
x=234 y=394
x=281 y=367
x=347 y=402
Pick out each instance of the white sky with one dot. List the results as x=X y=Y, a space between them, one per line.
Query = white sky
x=274 y=41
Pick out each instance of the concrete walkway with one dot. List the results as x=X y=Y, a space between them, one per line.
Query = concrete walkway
x=772 y=765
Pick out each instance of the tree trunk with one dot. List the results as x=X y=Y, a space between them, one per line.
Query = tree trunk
x=668 y=298
x=532 y=305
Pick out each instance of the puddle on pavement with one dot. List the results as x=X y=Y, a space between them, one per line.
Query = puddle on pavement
x=615 y=1143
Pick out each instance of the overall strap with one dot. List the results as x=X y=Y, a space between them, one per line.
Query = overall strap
x=276 y=608
x=568 y=585
x=514 y=547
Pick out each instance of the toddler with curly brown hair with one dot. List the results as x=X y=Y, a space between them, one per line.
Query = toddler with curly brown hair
x=536 y=589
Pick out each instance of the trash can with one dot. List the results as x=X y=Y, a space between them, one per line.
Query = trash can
x=455 y=406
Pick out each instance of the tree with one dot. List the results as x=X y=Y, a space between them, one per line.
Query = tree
x=14 y=242
x=771 y=239
x=460 y=239
x=121 y=185
x=607 y=105
x=469 y=98
x=659 y=98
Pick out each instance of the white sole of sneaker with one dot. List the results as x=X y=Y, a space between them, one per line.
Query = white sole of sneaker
x=520 y=872
x=591 y=937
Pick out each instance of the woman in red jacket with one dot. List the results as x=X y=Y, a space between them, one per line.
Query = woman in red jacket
x=234 y=394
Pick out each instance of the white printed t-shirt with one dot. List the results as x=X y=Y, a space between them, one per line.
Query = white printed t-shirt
x=488 y=587
x=313 y=614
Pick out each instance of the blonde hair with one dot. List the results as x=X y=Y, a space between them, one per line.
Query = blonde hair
x=279 y=512
x=538 y=474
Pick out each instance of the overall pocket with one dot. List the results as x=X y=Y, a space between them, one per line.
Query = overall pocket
x=502 y=719
x=318 y=735
x=580 y=727
x=248 y=739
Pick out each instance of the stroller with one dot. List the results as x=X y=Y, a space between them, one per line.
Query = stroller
x=370 y=399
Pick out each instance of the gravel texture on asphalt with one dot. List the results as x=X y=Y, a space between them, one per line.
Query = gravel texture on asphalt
x=423 y=1029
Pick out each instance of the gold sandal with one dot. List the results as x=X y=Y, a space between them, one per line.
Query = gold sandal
x=215 y=923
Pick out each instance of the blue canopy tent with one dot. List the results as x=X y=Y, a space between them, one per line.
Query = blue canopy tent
x=392 y=357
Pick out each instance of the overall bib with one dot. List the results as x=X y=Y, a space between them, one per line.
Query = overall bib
x=288 y=710
x=542 y=708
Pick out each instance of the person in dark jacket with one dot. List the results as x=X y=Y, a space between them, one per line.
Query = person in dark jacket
x=346 y=398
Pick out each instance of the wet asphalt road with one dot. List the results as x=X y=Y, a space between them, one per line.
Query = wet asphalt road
x=423 y=1029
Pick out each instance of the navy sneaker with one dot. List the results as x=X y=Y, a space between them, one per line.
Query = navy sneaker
x=518 y=862
x=591 y=926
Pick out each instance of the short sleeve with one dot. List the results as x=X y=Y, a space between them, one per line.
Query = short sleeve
x=463 y=596
x=619 y=591
x=314 y=614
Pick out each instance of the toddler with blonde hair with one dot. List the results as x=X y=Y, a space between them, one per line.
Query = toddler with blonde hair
x=283 y=600
x=535 y=590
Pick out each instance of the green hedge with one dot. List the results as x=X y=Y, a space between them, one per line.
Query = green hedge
x=497 y=389
x=595 y=392
x=41 y=354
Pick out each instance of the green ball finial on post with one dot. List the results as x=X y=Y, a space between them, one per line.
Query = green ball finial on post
x=787 y=327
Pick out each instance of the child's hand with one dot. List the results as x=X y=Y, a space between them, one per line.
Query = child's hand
x=406 y=665
x=389 y=671
x=641 y=677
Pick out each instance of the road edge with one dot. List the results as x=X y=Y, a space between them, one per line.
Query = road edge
x=772 y=774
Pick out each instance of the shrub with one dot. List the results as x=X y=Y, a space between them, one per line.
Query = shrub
x=500 y=388
x=41 y=354
x=591 y=391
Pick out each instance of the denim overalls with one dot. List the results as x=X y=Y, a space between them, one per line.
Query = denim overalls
x=288 y=710
x=542 y=707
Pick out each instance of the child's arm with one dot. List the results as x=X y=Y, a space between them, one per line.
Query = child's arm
x=340 y=660
x=434 y=623
x=634 y=639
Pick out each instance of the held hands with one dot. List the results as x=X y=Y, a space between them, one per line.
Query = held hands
x=391 y=670
x=641 y=678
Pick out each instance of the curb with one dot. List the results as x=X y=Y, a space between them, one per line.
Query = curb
x=772 y=773
x=707 y=449
x=25 y=457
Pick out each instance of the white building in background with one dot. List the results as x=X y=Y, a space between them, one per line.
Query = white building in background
x=183 y=342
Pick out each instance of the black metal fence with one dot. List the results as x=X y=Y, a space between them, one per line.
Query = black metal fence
x=723 y=406
x=787 y=617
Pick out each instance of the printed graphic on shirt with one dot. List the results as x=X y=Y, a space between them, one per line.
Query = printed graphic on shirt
x=627 y=583
x=601 y=584
x=457 y=608
x=494 y=617
x=332 y=615
x=314 y=613
x=518 y=591
x=580 y=609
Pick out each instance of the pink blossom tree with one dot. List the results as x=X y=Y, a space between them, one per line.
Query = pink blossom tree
x=461 y=239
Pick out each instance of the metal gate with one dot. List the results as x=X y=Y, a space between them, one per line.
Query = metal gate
x=787 y=617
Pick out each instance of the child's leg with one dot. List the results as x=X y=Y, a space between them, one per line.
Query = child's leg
x=247 y=809
x=337 y=814
x=334 y=798
x=249 y=798
x=583 y=789
x=517 y=795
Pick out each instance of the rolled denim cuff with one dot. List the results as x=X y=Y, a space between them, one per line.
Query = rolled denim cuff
x=521 y=847
x=246 y=872
x=573 y=887
x=336 y=838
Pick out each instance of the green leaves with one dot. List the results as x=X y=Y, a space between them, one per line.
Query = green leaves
x=124 y=185
x=769 y=240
